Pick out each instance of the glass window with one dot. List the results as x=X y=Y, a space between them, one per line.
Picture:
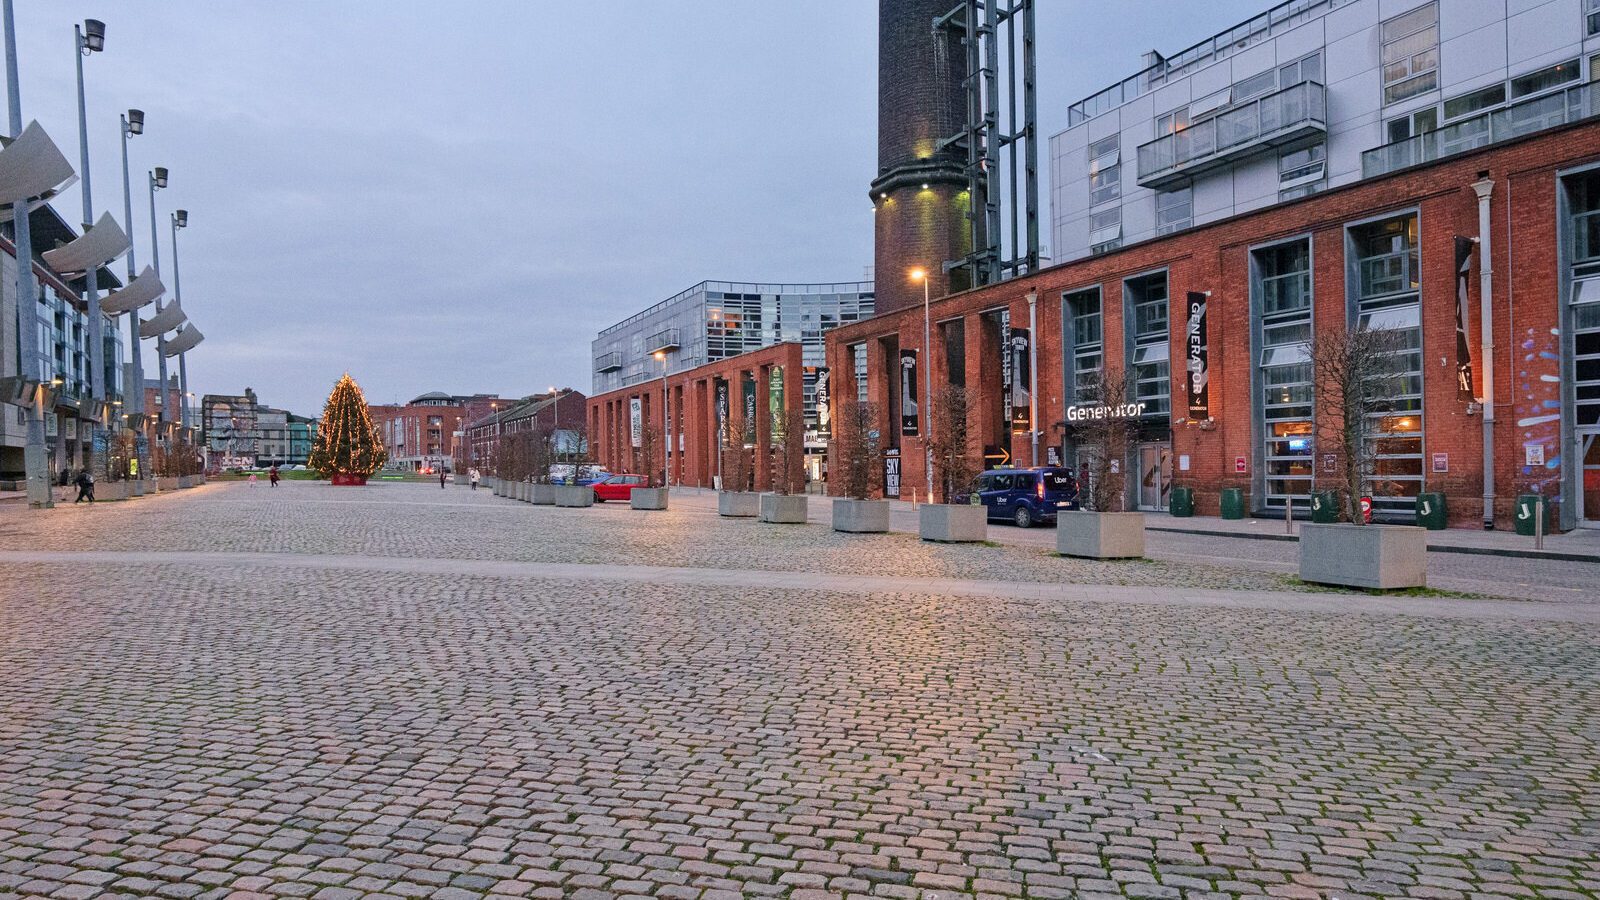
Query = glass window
x=1146 y=308
x=1307 y=69
x=1592 y=16
x=1082 y=310
x=1544 y=79
x=1455 y=107
x=1105 y=185
x=1385 y=295
x=1255 y=86
x=1411 y=53
x=1174 y=210
x=1172 y=122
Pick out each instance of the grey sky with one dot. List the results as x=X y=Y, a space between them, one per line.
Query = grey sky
x=458 y=196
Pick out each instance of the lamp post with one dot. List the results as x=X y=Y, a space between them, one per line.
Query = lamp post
x=555 y=430
x=30 y=364
x=158 y=181
x=927 y=382
x=180 y=219
x=89 y=38
x=132 y=125
x=666 y=420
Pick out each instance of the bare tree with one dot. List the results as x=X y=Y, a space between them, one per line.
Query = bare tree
x=1103 y=435
x=644 y=455
x=735 y=456
x=789 y=454
x=953 y=466
x=857 y=457
x=1357 y=374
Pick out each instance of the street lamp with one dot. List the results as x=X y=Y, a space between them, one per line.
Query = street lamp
x=921 y=274
x=180 y=219
x=90 y=38
x=158 y=181
x=666 y=419
x=555 y=431
x=132 y=124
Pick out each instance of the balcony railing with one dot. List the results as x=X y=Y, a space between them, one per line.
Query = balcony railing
x=1538 y=114
x=662 y=340
x=608 y=362
x=1290 y=115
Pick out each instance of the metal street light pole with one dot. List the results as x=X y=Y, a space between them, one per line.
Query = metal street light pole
x=30 y=364
x=132 y=124
x=927 y=380
x=666 y=421
x=180 y=219
x=158 y=180
x=86 y=39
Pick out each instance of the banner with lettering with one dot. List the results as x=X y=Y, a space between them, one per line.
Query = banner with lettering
x=1021 y=398
x=822 y=390
x=909 y=418
x=1197 y=357
x=1463 y=349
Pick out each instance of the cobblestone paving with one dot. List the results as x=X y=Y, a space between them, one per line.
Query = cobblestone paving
x=242 y=730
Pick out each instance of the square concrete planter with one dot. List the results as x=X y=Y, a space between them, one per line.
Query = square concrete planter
x=953 y=523
x=457 y=478
x=648 y=498
x=136 y=487
x=167 y=483
x=525 y=491
x=1100 y=535
x=860 y=516
x=185 y=482
x=111 y=490
x=542 y=495
x=738 y=504
x=574 y=496
x=783 y=509
x=1380 y=557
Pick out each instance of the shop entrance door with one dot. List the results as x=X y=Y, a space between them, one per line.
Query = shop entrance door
x=1589 y=489
x=1155 y=476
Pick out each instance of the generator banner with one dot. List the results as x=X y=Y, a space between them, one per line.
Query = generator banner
x=823 y=390
x=908 y=393
x=1021 y=398
x=1463 y=349
x=1197 y=353
x=636 y=421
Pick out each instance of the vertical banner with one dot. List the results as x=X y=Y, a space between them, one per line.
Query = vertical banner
x=909 y=419
x=722 y=410
x=1006 y=373
x=823 y=391
x=636 y=421
x=1021 y=383
x=749 y=389
x=1197 y=357
x=891 y=473
x=1463 y=349
x=775 y=401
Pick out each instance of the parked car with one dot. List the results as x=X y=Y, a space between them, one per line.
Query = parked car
x=561 y=473
x=617 y=487
x=1025 y=496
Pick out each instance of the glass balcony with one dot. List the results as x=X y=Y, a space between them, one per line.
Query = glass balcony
x=608 y=362
x=1527 y=117
x=662 y=340
x=1294 y=114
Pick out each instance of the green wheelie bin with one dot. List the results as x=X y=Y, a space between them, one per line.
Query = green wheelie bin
x=1325 y=507
x=1430 y=511
x=1232 y=503
x=1182 y=504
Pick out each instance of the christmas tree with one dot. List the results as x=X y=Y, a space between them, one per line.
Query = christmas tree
x=348 y=447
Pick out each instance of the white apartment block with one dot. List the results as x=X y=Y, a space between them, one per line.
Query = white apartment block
x=1308 y=95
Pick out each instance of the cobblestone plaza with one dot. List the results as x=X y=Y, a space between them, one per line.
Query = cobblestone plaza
x=412 y=692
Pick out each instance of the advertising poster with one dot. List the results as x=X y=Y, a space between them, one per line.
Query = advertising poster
x=1021 y=398
x=775 y=401
x=749 y=390
x=909 y=418
x=823 y=391
x=891 y=473
x=636 y=421
x=1197 y=357
x=722 y=410
x=1463 y=349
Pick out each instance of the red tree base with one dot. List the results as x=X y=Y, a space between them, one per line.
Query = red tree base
x=340 y=479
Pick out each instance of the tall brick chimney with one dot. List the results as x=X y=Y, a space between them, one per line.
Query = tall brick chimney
x=921 y=191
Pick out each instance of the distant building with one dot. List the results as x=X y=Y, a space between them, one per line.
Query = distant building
x=238 y=431
x=561 y=414
x=422 y=435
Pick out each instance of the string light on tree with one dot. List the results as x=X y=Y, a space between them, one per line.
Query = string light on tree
x=348 y=447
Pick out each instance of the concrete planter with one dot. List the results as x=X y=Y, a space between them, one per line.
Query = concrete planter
x=1100 y=535
x=860 y=516
x=185 y=482
x=167 y=483
x=783 y=509
x=458 y=478
x=111 y=490
x=524 y=491
x=1381 y=557
x=648 y=498
x=738 y=504
x=574 y=496
x=952 y=523
x=135 y=487
x=542 y=495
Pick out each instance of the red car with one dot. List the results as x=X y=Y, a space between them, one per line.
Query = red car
x=617 y=487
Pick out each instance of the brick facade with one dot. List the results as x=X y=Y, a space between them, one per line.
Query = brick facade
x=692 y=398
x=1216 y=258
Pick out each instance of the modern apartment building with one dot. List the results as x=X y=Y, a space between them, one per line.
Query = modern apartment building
x=717 y=320
x=1308 y=95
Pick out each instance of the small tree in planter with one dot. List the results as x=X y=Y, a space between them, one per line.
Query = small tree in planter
x=953 y=471
x=736 y=500
x=571 y=493
x=654 y=494
x=858 y=466
x=1357 y=373
x=541 y=455
x=786 y=505
x=1104 y=437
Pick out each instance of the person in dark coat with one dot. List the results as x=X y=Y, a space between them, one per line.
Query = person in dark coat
x=85 y=484
x=272 y=476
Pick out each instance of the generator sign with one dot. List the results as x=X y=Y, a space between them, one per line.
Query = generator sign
x=1093 y=412
x=1198 y=357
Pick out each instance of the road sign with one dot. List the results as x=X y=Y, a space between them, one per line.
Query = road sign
x=995 y=457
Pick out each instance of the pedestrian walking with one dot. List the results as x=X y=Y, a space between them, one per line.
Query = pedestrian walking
x=85 y=487
x=272 y=476
x=472 y=475
x=252 y=479
x=441 y=479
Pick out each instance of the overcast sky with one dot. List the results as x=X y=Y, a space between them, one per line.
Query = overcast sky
x=458 y=196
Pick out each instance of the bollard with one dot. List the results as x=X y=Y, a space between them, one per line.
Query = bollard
x=1288 y=515
x=1538 y=523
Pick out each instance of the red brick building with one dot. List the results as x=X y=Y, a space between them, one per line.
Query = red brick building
x=1382 y=251
x=766 y=383
x=561 y=414
x=421 y=435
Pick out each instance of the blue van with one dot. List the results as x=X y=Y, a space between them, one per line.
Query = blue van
x=1026 y=496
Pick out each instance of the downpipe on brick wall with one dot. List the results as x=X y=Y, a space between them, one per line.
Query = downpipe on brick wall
x=1484 y=187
